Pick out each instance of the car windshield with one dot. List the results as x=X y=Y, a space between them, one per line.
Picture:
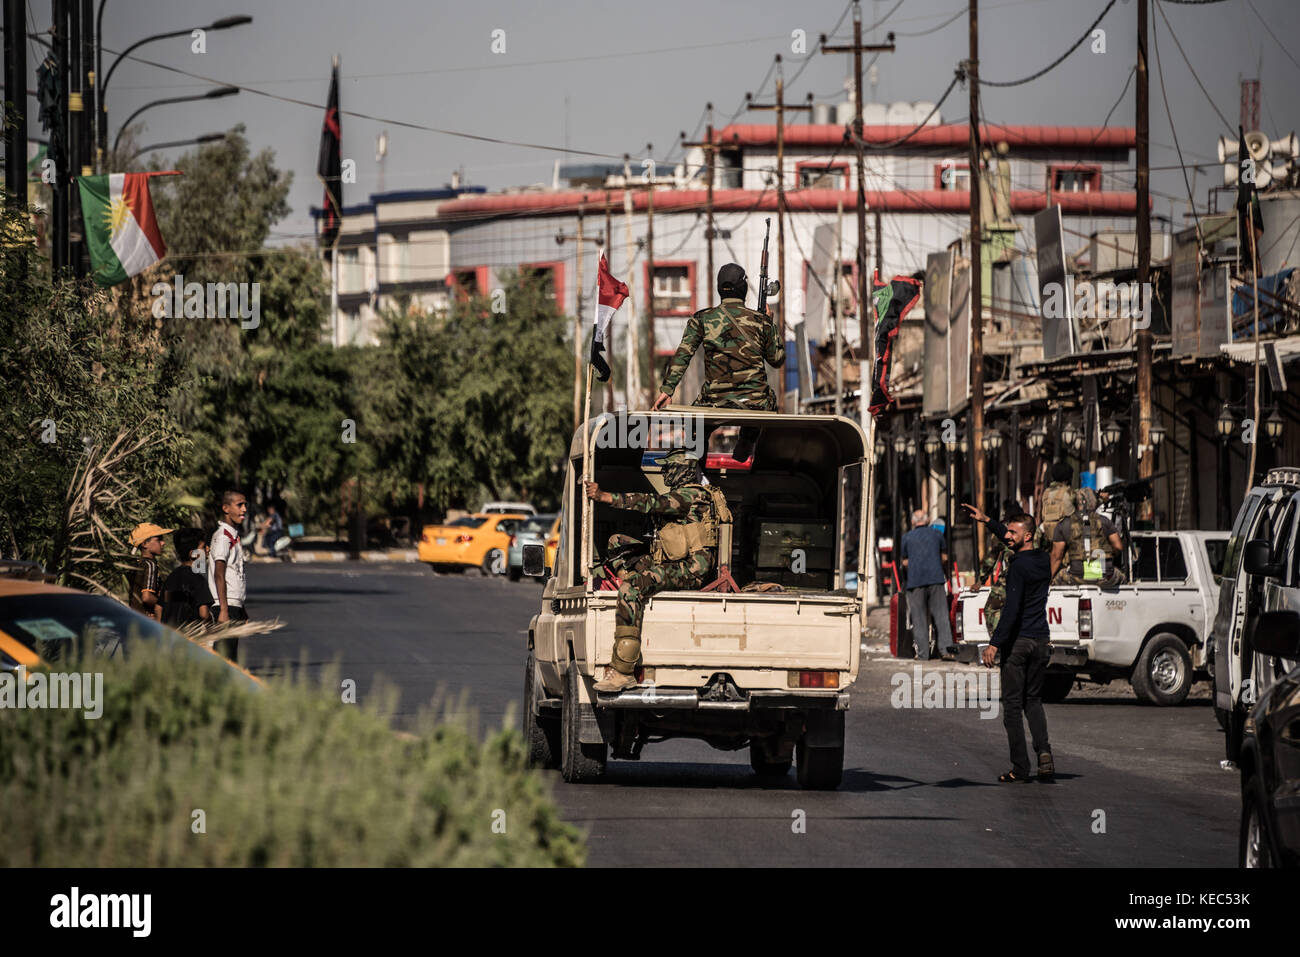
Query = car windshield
x=467 y=521
x=538 y=526
x=60 y=627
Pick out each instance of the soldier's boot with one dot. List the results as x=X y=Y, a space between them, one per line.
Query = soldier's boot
x=619 y=673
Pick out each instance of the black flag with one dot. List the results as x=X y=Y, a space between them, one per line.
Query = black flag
x=329 y=166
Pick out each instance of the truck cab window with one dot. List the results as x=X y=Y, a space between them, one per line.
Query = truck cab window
x=1144 y=565
x=1173 y=566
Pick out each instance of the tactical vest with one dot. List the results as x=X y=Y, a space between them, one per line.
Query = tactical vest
x=1058 y=502
x=678 y=540
x=1086 y=539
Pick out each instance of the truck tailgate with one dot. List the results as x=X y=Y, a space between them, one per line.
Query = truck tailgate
x=722 y=632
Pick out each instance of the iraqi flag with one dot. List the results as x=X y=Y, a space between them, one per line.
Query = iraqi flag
x=891 y=301
x=121 y=228
x=610 y=294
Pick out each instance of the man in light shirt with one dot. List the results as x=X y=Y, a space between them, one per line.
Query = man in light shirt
x=226 y=569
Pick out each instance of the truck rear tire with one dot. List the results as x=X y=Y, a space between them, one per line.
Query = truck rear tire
x=821 y=765
x=578 y=761
x=1057 y=686
x=542 y=734
x=1163 y=673
x=763 y=767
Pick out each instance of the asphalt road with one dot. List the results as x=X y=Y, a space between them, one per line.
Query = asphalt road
x=1137 y=786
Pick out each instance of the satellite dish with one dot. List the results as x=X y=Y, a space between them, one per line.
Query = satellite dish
x=1257 y=145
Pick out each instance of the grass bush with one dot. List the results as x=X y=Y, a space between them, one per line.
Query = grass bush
x=287 y=777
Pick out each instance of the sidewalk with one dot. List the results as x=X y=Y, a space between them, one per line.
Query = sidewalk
x=322 y=549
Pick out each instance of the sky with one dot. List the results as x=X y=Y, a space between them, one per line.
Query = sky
x=617 y=77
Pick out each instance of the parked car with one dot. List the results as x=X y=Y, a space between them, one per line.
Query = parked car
x=479 y=540
x=533 y=531
x=1261 y=574
x=1269 y=757
x=43 y=625
x=1151 y=631
x=503 y=508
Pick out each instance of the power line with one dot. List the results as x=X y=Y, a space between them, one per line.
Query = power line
x=922 y=33
x=1170 y=28
x=1155 y=45
x=1269 y=31
x=1058 y=61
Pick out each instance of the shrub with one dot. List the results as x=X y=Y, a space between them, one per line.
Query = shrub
x=288 y=777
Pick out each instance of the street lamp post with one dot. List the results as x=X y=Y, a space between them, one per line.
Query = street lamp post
x=199 y=140
x=101 y=81
x=1223 y=426
x=213 y=94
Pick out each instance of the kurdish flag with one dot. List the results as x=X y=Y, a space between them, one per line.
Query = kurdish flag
x=121 y=229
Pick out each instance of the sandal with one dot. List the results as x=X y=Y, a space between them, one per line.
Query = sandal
x=1012 y=778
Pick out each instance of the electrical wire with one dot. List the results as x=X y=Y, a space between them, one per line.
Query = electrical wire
x=1269 y=31
x=1059 y=60
x=1192 y=69
x=1160 y=73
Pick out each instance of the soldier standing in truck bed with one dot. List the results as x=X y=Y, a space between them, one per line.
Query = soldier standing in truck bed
x=738 y=345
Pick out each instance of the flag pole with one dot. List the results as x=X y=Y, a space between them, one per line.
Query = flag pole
x=588 y=506
x=1254 y=285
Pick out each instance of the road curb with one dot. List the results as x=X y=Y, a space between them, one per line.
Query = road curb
x=390 y=555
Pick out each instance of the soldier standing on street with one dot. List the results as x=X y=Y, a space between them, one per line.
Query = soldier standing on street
x=682 y=557
x=737 y=342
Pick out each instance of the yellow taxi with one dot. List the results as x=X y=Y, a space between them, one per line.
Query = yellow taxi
x=480 y=540
x=44 y=625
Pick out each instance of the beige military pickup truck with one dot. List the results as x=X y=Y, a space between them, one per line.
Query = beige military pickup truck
x=765 y=670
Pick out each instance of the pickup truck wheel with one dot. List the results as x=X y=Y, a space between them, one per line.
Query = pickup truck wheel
x=763 y=767
x=821 y=767
x=578 y=761
x=1057 y=686
x=542 y=734
x=1163 y=673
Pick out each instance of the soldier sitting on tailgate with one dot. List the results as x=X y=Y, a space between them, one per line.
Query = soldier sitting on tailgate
x=737 y=342
x=1092 y=542
x=1058 y=502
x=682 y=557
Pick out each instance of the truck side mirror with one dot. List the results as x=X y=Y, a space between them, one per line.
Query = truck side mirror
x=1259 y=551
x=534 y=560
x=1277 y=633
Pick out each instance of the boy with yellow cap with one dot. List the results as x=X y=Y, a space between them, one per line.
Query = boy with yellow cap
x=146 y=583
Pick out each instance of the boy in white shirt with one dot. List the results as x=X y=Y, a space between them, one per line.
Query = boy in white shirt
x=226 y=568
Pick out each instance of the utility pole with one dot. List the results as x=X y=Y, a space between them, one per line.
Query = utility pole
x=650 y=273
x=632 y=387
x=880 y=268
x=577 y=333
x=90 y=78
x=609 y=252
x=15 y=46
x=976 y=276
x=62 y=161
x=866 y=351
x=1146 y=461
x=836 y=272
x=709 y=149
x=780 y=108
x=76 y=116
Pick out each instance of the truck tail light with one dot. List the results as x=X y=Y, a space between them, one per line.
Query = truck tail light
x=463 y=539
x=814 y=679
x=958 y=628
x=1085 y=618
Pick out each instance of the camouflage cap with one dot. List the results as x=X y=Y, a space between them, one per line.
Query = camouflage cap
x=679 y=457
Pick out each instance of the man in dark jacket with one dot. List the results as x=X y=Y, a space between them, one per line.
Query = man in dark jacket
x=1022 y=637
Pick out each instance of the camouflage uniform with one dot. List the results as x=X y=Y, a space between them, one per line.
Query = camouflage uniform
x=1058 y=501
x=737 y=341
x=640 y=575
x=995 y=562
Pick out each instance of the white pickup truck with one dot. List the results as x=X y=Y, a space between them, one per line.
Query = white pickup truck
x=1150 y=632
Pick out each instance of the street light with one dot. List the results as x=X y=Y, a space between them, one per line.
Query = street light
x=1069 y=434
x=900 y=443
x=101 y=138
x=1157 y=433
x=215 y=93
x=932 y=443
x=879 y=449
x=911 y=447
x=1110 y=434
x=1273 y=428
x=199 y=140
x=1036 y=438
x=1224 y=424
x=964 y=444
x=992 y=440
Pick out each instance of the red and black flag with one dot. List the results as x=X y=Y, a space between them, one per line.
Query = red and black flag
x=1248 y=213
x=891 y=301
x=329 y=166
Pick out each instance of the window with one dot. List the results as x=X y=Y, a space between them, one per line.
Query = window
x=952 y=176
x=1075 y=179
x=1173 y=566
x=1144 y=563
x=674 y=288
x=1216 y=553
x=467 y=282
x=467 y=521
x=552 y=276
x=817 y=175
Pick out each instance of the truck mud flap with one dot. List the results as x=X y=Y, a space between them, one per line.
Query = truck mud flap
x=824 y=729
